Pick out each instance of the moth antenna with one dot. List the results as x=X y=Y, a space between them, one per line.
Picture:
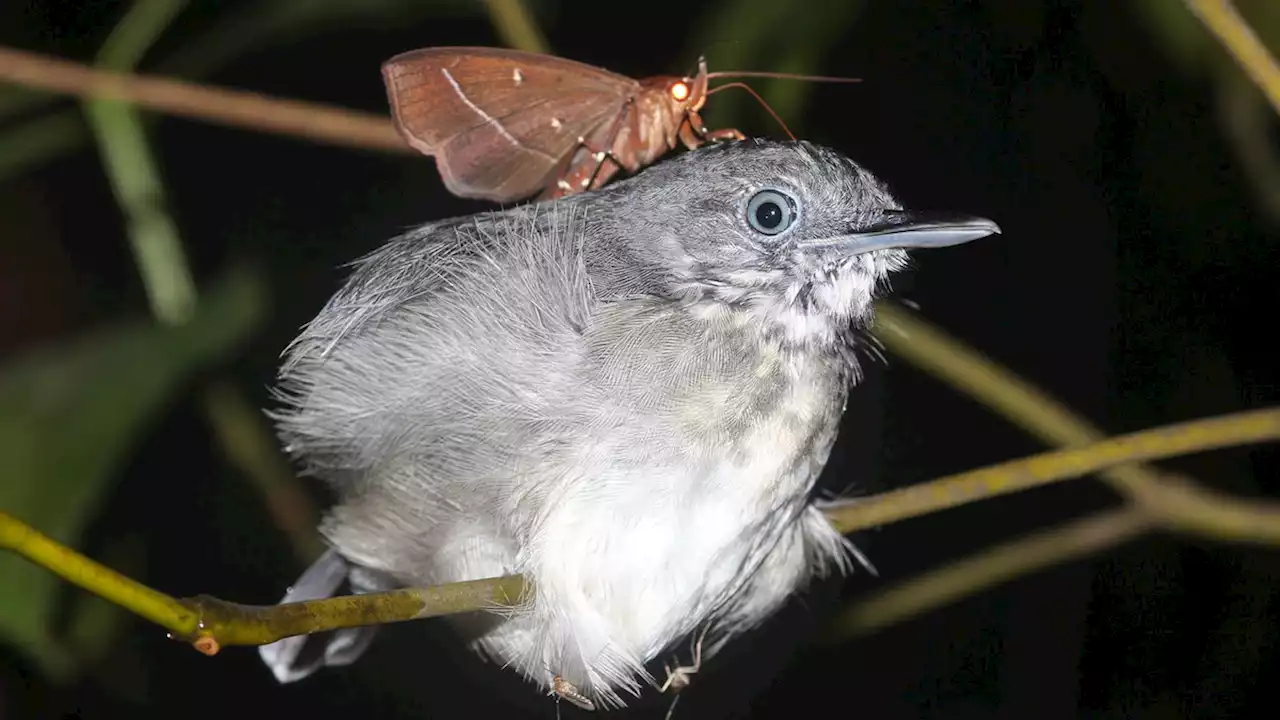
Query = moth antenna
x=782 y=76
x=756 y=95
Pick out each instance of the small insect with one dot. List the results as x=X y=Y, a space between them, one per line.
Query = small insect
x=568 y=691
x=504 y=125
x=679 y=677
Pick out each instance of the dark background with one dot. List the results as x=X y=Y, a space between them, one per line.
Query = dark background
x=1136 y=280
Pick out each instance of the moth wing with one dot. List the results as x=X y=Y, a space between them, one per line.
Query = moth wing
x=500 y=123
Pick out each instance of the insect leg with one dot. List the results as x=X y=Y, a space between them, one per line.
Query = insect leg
x=599 y=154
x=694 y=132
x=678 y=677
x=724 y=134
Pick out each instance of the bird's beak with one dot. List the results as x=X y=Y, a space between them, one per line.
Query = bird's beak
x=902 y=229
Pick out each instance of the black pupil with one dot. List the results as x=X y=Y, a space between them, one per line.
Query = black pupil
x=769 y=215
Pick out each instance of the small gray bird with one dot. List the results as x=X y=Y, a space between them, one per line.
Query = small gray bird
x=626 y=395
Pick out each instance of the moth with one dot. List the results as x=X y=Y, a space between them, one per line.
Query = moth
x=505 y=125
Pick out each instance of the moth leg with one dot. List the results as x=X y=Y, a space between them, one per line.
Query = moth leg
x=724 y=134
x=600 y=154
x=569 y=691
x=694 y=132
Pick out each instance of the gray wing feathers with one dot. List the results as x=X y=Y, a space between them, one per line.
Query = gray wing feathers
x=295 y=658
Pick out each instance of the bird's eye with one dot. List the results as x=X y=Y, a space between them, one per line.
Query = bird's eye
x=771 y=212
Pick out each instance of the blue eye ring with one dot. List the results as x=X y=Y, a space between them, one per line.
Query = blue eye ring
x=771 y=212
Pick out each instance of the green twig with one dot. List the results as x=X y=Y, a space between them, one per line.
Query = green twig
x=217 y=623
x=1180 y=505
x=98 y=579
x=209 y=623
x=1043 y=417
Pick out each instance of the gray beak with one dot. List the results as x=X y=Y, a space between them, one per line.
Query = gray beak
x=902 y=229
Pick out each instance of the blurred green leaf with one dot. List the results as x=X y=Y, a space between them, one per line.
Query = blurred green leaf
x=132 y=168
x=70 y=415
x=744 y=35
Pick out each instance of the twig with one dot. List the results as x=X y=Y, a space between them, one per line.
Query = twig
x=217 y=623
x=1042 y=416
x=237 y=108
x=209 y=623
x=1184 y=505
x=1224 y=21
x=79 y=570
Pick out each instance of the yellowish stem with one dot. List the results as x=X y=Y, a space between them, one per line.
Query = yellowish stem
x=1170 y=440
x=1224 y=21
x=210 y=623
x=79 y=570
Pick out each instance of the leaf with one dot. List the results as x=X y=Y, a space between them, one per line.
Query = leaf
x=70 y=415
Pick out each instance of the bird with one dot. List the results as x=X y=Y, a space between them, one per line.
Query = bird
x=626 y=396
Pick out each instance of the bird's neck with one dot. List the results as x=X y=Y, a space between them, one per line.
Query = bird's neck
x=797 y=317
x=801 y=333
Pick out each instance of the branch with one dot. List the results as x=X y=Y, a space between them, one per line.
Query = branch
x=1042 y=416
x=1222 y=19
x=1175 y=504
x=236 y=108
x=210 y=623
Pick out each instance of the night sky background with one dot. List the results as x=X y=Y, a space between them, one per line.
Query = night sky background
x=1136 y=280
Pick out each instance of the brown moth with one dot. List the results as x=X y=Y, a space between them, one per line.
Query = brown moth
x=504 y=125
